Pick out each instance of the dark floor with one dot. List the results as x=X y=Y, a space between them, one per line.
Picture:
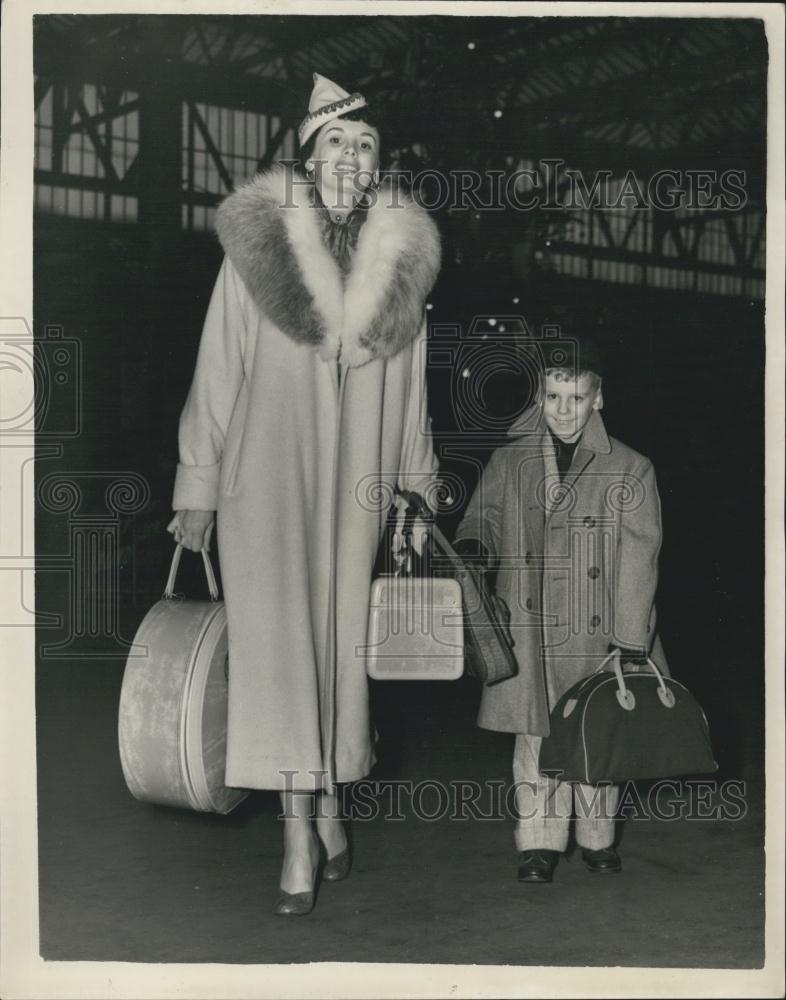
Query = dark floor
x=123 y=881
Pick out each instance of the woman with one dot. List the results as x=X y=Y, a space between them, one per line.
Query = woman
x=308 y=405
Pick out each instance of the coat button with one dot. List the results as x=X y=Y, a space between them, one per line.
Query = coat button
x=589 y=522
x=595 y=621
x=528 y=558
x=593 y=572
x=529 y=604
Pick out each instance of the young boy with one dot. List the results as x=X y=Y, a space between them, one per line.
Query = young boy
x=570 y=520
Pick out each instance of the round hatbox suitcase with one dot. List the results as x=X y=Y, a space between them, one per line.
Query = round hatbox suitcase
x=173 y=703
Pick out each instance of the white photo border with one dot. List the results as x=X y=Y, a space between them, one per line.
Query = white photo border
x=23 y=973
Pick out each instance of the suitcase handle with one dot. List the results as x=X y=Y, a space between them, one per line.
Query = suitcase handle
x=212 y=586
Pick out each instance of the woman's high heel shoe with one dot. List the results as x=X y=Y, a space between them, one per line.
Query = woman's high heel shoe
x=294 y=904
x=339 y=867
x=298 y=904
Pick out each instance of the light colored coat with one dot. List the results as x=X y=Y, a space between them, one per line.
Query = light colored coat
x=307 y=408
x=577 y=562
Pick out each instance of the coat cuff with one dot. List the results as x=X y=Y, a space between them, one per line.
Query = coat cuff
x=630 y=640
x=196 y=487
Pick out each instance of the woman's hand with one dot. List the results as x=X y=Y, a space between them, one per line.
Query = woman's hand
x=192 y=529
x=410 y=534
x=419 y=531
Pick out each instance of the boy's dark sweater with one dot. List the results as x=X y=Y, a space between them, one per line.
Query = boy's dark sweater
x=563 y=451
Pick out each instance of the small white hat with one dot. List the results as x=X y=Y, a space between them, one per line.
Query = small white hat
x=328 y=101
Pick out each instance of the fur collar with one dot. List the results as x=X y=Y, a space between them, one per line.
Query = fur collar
x=270 y=231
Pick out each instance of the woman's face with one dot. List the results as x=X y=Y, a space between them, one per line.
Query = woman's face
x=345 y=157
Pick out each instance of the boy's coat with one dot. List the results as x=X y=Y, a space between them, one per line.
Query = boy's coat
x=577 y=562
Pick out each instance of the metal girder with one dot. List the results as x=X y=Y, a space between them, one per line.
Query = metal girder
x=131 y=176
x=273 y=144
x=663 y=225
x=740 y=256
x=212 y=148
x=86 y=120
x=605 y=228
x=746 y=153
x=276 y=41
x=642 y=258
x=68 y=102
x=307 y=34
x=63 y=108
x=206 y=199
x=203 y=43
x=612 y=37
x=227 y=86
x=217 y=56
x=101 y=151
x=757 y=238
x=255 y=58
x=674 y=83
x=130 y=70
x=81 y=183
x=633 y=222
x=667 y=94
x=606 y=34
x=585 y=111
x=40 y=90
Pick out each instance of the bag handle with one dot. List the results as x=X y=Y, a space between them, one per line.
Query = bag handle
x=624 y=695
x=402 y=548
x=457 y=564
x=424 y=512
x=212 y=586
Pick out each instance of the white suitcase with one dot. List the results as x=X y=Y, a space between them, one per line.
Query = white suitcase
x=173 y=704
x=415 y=629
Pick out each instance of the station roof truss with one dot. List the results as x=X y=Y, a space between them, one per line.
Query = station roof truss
x=640 y=92
x=609 y=94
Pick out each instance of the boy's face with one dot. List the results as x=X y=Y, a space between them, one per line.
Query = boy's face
x=568 y=404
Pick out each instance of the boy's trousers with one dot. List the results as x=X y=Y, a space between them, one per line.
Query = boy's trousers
x=544 y=805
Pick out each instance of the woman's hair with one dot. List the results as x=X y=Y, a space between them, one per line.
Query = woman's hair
x=365 y=115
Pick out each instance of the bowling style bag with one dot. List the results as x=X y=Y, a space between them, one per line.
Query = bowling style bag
x=173 y=703
x=614 y=727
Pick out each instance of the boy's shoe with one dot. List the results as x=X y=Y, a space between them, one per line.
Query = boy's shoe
x=604 y=860
x=537 y=865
